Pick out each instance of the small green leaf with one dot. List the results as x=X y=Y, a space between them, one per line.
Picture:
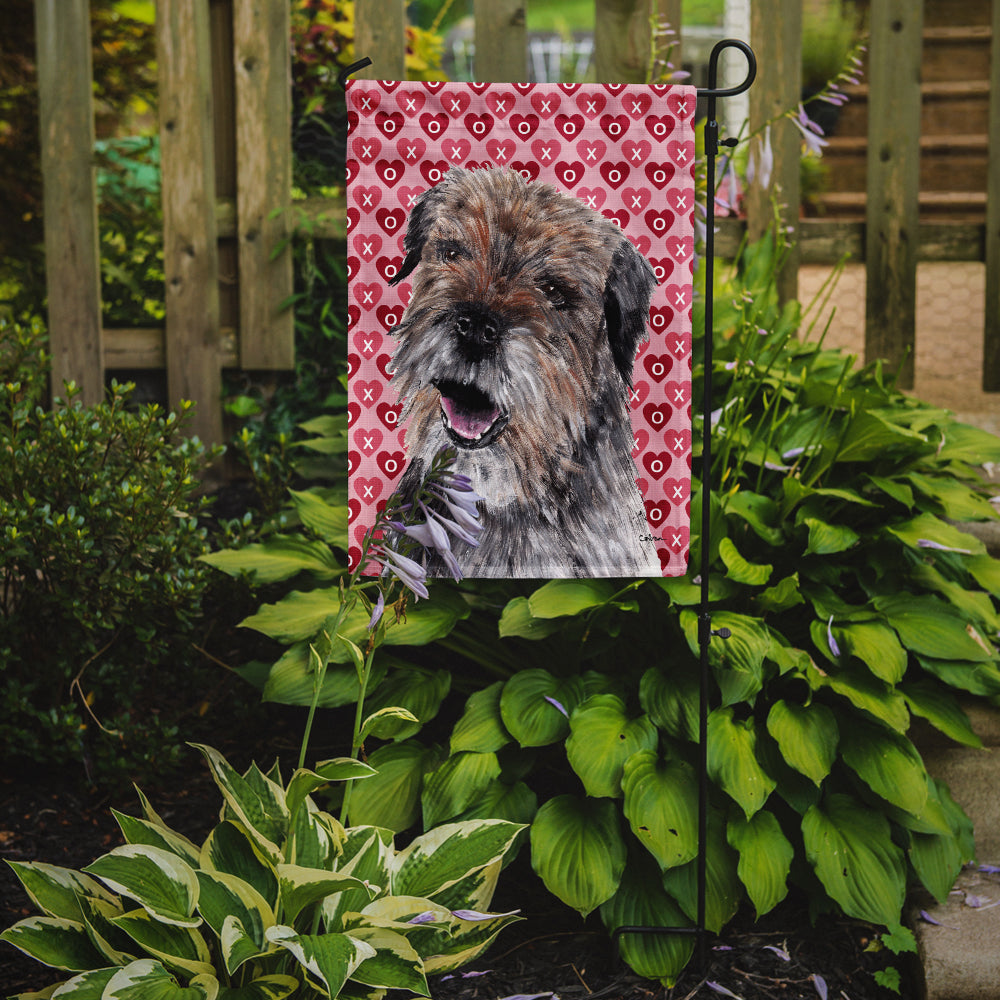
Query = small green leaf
x=517 y=620
x=279 y=558
x=327 y=520
x=391 y=798
x=732 y=760
x=671 y=700
x=807 y=736
x=888 y=763
x=936 y=704
x=559 y=598
x=456 y=785
x=741 y=571
x=417 y=690
x=301 y=887
x=828 y=539
x=481 y=727
x=765 y=858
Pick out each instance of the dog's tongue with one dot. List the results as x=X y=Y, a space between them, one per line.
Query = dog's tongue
x=468 y=422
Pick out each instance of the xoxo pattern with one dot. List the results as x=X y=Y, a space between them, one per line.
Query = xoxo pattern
x=627 y=151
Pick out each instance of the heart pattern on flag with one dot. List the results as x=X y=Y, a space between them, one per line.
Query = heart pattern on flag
x=626 y=151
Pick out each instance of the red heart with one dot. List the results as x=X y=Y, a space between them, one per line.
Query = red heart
x=389 y=413
x=434 y=125
x=659 y=126
x=389 y=316
x=500 y=102
x=479 y=125
x=569 y=126
x=682 y=153
x=391 y=462
x=679 y=202
x=456 y=102
x=594 y=197
x=679 y=442
x=388 y=85
x=365 y=102
x=353 y=364
x=367 y=439
x=529 y=171
x=545 y=150
x=570 y=174
x=613 y=88
x=678 y=539
x=662 y=267
x=353 y=461
x=389 y=124
x=367 y=343
x=678 y=393
x=367 y=244
x=639 y=441
x=657 y=512
x=659 y=222
x=390 y=171
x=637 y=395
x=615 y=126
x=388 y=267
x=391 y=220
x=501 y=150
x=524 y=87
x=636 y=151
x=546 y=104
x=657 y=415
x=642 y=243
x=636 y=199
x=408 y=196
x=433 y=171
x=619 y=218
x=679 y=296
x=410 y=101
x=367 y=197
x=656 y=463
x=660 y=318
x=353 y=315
x=368 y=490
x=367 y=391
x=433 y=85
x=353 y=218
x=524 y=126
x=681 y=247
x=636 y=104
x=568 y=88
x=367 y=296
x=456 y=150
x=353 y=510
x=479 y=87
x=384 y=364
x=614 y=174
x=676 y=490
x=591 y=104
x=353 y=558
x=353 y=264
x=411 y=149
x=657 y=366
x=660 y=174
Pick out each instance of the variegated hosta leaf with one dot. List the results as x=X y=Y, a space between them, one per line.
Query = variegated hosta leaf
x=466 y=941
x=274 y=987
x=602 y=737
x=141 y=831
x=304 y=782
x=98 y=915
x=642 y=902
x=441 y=857
x=328 y=959
x=807 y=736
x=300 y=887
x=230 y=849
x=158 y=880
x=850 y=847
x=765 y=858
x=177 y=947
x=315 y=838
x=395 y=964
x=578 y=851
x=661 y=799
x=86 y=986
x=147 y=979
x=367 y=853
x=481 y=727
x=54 y=941
x=732 y=760
x=56 y=891
x=225 y=897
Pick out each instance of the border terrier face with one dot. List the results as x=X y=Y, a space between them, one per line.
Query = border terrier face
x=518 y=342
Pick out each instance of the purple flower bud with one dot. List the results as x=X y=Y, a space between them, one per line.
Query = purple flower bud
x=427 y=917
x=377 y=612
x=834 y=648
x=558 y=705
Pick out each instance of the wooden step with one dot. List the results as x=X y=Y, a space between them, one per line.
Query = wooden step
x=956 y=53
x=957 y=206
x=947 y=163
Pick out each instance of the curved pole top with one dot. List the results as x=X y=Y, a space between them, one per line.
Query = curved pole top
x=713 y=69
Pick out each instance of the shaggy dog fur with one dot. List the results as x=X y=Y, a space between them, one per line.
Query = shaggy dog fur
x=517 y=348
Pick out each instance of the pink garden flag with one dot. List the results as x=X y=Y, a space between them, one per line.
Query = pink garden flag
x=520 y=261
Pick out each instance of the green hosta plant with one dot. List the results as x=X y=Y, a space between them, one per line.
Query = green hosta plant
x=279 y=900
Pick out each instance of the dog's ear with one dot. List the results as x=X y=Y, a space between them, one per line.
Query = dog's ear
x=422 y=218
x=627 y=293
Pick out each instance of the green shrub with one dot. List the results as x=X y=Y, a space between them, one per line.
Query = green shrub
x=99 y=546
x=280 y=899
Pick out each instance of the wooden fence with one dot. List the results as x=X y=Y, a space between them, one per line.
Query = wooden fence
x=226 y=160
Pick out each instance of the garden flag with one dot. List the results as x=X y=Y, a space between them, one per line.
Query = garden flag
x=520 y=261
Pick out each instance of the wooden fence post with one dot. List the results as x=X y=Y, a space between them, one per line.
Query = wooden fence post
x=190 y=251
x=501 y=41
x=776 y=34
x=262 y=61
x=380 y=34
x=892 y=215
x=72 y=254
x=991 y=332
x=622 y=40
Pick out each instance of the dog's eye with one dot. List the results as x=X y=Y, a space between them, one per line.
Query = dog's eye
x=555 y=293
x=451 y=250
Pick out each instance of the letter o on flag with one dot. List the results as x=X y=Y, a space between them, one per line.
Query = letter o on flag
x=390 y=175
x=656 y=467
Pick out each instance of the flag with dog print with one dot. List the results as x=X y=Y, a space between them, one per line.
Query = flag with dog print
x=520 y=261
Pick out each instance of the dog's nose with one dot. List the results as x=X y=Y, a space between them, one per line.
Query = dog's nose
x=477 y=327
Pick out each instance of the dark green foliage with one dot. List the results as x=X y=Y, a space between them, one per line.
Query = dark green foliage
x=99 y=540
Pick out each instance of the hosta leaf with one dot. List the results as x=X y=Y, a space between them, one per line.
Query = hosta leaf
x=558 y=598
x=850 y=848
x=937 y=860
x=866 y=692
x=387 y=723
x=291 y=680
x=327 y=520
x=141 y=831
x=783 y=595
x=225 y=897
x=602 y=738
x=765 y=858
x=738 y=661
x=671 y=700
x=159 y=881
x=481 y=728
x=876 y=646
x=87 y=986
x=515 y=803
x=98 y=916
x=641 y=901
x=732 y=760
x=147 y=979
x=304 y=782
x=976 y=678
x=661 y=799
x=279 y=558
x=391 y=798
x=517 y=620
x=530 y=706
x=441 y=857
x=870 y=435
x=395 y=964
x=807 y=736
x=275 y=987
x=416 y=689
x=965 y=443
x=828 y=539
x=986 y=572
x=366 y=855
x=928 y=528
x=456 y=784
x=230 y=849
x=180 y=948
x=301 y=887
x=931 y=628
x=888 y=763
x=739 y=569
x=936 y=704
x=56 y=891
x=723 y=889
x=330 y=959
x=54 y=941
x=578 y=851
x=958 y=502
x=760 y=512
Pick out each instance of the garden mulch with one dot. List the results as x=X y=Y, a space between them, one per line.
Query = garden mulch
x=57 y=819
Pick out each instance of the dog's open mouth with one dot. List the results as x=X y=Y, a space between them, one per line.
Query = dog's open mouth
x=471 y=418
